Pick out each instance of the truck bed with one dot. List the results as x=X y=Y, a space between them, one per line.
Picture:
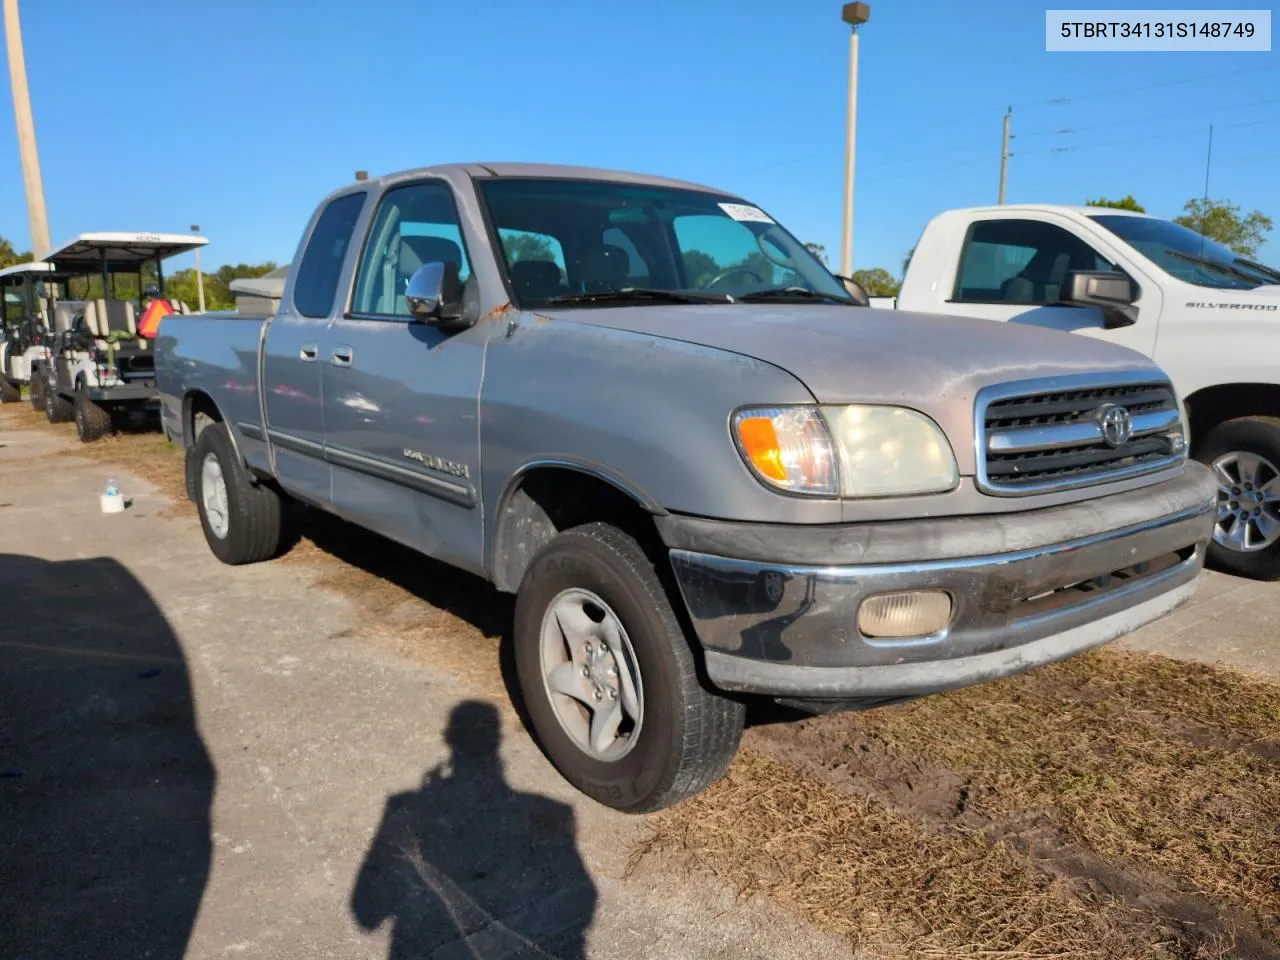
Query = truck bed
x=214 y=353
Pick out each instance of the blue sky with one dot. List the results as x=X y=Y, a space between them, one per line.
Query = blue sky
x=239 y=116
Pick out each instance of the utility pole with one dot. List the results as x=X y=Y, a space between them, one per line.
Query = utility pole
x=195 y=228
x=1004 y=154
x=854 y=14
x=36 y=213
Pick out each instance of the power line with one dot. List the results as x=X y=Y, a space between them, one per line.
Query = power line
x=1147 y=170
x=1161 y=116
x=1157 y=136
x=1110 y=92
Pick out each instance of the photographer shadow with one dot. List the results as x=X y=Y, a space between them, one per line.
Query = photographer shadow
x=105 y=783
x=466 y=866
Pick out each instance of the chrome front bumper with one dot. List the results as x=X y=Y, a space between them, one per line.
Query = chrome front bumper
x=790 y=629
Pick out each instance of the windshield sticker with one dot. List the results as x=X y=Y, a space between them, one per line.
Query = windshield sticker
x=743 y=211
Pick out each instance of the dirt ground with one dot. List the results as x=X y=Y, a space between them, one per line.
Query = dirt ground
x=1125 y=803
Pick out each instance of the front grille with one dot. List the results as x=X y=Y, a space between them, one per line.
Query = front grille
x=1036 y=440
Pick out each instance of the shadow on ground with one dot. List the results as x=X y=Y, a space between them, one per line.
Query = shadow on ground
x=469 y=867
x=105 y=783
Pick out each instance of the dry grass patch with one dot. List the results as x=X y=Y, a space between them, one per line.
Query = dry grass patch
x=1175 y=765
x=897 y=890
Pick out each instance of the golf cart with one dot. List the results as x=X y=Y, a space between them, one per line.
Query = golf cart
x=101 y=364
x=23 y=325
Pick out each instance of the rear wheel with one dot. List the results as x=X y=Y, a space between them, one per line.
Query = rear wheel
x=609 y=679
x=56 y=407
x=92 y=420
x=36 y=392
x=10 y=392
x=1245 y=457
x=240 y=514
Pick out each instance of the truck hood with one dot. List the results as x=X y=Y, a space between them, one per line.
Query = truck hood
x=934 y=364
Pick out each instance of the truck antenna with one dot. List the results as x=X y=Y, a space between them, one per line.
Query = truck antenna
x=1204 y=209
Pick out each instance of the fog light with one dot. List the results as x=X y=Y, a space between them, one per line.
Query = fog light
x=911 y=613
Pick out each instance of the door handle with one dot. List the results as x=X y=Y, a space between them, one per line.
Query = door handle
x=342 y=356
x=308 y=353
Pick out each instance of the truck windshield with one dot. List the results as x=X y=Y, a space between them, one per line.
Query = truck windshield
x=606 y=243
x=1185 y=254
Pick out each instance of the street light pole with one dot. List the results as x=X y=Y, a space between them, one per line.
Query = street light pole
x=195 y=228
x=36 y=213
x=854 y=14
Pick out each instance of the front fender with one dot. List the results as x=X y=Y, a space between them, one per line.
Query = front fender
x=649 y=414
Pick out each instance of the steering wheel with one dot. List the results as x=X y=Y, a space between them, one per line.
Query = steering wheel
x=731 y=272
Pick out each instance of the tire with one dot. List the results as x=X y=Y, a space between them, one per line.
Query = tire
x=1251 y=445
x=92 y=420
x=10 y=392
x=57 y=407
x=36 y=392
x=687 y=735
x=250 y=530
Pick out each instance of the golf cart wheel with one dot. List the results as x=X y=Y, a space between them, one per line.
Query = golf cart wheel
x=36 y=392
x=56 y=407
x=240 y=514
x=1244 y=455
x=608 y=676
x=92 y=420
x=10 y=392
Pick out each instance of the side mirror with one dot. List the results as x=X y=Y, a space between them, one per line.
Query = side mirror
x=855 y=290
x=434 y=294
x=1112 y=292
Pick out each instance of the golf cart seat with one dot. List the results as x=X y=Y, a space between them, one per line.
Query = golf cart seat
x=64 y=314
x=105 y=317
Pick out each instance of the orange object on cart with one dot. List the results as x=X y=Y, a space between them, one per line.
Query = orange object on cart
x=156 y=311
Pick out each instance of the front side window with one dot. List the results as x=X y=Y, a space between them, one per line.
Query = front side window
x=321 y=266
x=416 y=224
x=1020 y=261
x=1186 y=255
x=596 y=241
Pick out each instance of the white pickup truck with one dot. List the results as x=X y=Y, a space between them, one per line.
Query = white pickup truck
x=1206 y=315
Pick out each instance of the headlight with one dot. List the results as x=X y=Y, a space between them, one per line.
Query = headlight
x=850 y=451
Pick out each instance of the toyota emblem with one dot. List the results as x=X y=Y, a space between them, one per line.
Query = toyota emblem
x=1116 y=424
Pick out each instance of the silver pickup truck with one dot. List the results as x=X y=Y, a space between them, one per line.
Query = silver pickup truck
x=704 y=470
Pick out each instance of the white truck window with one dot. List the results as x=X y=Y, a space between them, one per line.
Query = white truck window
x=1020 y=261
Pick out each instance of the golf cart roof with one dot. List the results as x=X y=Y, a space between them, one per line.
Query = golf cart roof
x=21 y=269
x=124 y=251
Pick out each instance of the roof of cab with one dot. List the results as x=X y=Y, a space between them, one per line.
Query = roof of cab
x=122 y=249
x=481 y=171
x=1081 y=209
x=36 y=266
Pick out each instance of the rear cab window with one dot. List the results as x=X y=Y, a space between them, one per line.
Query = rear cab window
x=316 y=284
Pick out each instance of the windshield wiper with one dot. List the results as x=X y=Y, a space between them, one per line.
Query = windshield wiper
x=1273 y=276
x=795 y=293
x=1216 y=265
x=639 y=295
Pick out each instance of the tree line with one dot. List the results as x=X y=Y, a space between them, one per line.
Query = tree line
x=180 y=285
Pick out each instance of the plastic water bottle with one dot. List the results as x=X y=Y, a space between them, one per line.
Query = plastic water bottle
x=111 y=500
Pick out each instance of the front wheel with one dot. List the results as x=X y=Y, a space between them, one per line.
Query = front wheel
x=36 y=392
x=1245 y=457
x=609 y=679
x=92 y=421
